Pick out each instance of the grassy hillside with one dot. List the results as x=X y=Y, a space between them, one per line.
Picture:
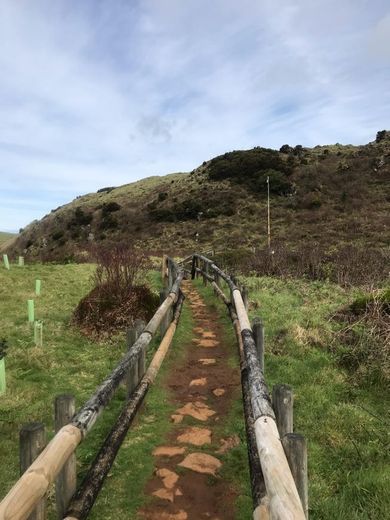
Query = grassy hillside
x=330 y=195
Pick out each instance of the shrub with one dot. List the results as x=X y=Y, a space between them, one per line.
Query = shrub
x=107 y=190
x=110 y=207
x=57 y=235
x=118 y=296
x=80 y=218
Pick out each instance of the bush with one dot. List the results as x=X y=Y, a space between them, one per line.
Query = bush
x=57 y=235
x=106 y=190
x=80 y=218
x=110 y=207
x=119 y=297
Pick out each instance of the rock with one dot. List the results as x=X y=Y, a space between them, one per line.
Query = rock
x=201 y=463
x=219 y=391
x=197 y=410
x=168 y=477
x=202 y=381
x=208 y=361
x=176 y=418
x=195 y=435
x=164 y=494
x=168 y=451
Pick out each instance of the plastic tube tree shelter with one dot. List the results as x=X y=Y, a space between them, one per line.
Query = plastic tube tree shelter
x=6 y=261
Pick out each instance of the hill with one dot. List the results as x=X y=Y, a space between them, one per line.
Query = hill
x=329 y=195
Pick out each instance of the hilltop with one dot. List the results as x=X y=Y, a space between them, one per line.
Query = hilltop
x=330 y=195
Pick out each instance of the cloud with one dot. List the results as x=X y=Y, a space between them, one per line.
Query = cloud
x=104 y=93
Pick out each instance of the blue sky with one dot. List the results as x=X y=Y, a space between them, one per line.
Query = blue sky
x=101 y=93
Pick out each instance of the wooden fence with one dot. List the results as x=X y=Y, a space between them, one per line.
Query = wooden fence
x=277 y=456
x=42 y=466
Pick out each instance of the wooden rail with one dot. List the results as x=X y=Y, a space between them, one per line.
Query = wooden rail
x=33 y=485
x=282 y=500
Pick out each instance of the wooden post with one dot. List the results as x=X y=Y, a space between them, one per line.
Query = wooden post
x=139 y=327
x=132 y=377
x=245 y=296
x=165 y=322
x=170 y=273
x=258 y=333
x=64 y=409
x=32 y=441
x=295 y=447
x=206 y=270
x=164 y=274
x=193 y=268
x=282 y=402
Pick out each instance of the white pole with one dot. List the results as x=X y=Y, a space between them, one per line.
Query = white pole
x=269 y=217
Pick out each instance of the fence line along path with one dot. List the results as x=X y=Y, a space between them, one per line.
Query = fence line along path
x=277 y=456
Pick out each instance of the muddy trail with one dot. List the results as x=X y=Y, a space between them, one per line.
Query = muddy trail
x=187 y=484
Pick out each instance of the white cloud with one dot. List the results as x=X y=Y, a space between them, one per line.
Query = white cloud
x=96 y=94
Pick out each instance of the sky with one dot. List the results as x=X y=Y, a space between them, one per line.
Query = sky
x=105 y=92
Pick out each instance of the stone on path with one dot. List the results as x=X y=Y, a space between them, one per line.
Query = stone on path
x=207 y=343
x=207 y=361
x=195 y=435
x=176 y=418
x=219 y=391
x=197 y=410
x=168 y=477
x=168 y=451
x=164 y=494
x=163 y=515
x=201 y=463
x=202 y=381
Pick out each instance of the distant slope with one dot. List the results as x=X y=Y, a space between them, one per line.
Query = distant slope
x=330 y=195
x=6 y=240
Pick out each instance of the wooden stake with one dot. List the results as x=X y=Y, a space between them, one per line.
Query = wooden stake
x=282 y=402
x=245 y=296
x=258 y=334
x=64 y=409
x=32 y=441
x=295 y=447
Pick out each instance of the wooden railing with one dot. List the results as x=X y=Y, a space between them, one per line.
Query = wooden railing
x=277 y=457
x=29 y=491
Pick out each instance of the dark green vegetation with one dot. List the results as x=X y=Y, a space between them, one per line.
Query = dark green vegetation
x=330 y=196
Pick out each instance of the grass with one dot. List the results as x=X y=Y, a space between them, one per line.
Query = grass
x=346 y=426
x=4 y=236
x=70 y=363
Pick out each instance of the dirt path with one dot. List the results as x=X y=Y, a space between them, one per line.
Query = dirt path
x=186 y=484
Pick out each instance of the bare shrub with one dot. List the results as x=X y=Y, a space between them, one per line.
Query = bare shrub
x=120 y=295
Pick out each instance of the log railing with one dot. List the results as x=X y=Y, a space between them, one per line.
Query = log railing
x=33 y=485
x=276 y=494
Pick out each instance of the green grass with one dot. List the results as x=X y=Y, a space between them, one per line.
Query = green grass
x=4 y=236
x=69 y=362
x=346 y=426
